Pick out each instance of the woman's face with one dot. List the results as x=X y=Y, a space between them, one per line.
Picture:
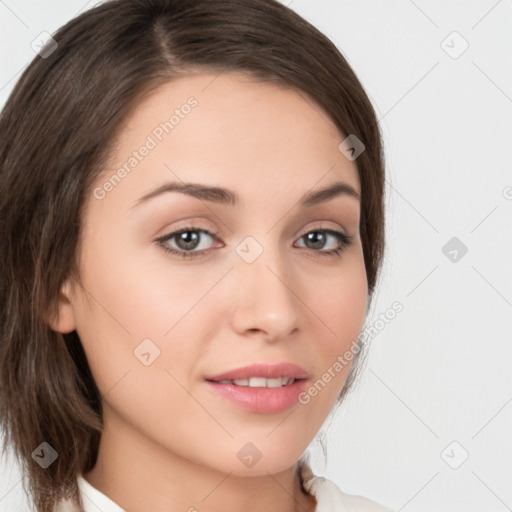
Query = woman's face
x=254 y=287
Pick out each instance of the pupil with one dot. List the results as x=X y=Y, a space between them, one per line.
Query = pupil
x=318 y=239
x=189 y=238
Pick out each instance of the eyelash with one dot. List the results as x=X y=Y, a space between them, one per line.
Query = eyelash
x=344 y=242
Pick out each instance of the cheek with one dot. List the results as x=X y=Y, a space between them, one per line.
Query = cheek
x=340 y=308
x=131 y=298
x=132 y=292
x=341 y=301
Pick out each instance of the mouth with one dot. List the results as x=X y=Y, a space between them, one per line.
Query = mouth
x=258 y=382
x=261 y=388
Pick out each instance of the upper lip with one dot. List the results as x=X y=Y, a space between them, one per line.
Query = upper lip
x=269 y=371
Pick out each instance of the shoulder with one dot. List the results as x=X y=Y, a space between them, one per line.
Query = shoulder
x=330 y=498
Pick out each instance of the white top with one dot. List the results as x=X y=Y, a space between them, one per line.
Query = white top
x=328 y=495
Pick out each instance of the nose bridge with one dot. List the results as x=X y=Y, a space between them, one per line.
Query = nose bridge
x=266 y=299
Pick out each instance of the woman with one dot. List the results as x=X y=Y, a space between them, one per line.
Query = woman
x=193 y=225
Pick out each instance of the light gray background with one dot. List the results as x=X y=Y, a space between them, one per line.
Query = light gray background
x=440 y=371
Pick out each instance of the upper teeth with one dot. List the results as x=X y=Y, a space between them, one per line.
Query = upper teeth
x=260 y=382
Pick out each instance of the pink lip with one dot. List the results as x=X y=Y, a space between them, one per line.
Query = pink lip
x=261 y=400
x=269 y=371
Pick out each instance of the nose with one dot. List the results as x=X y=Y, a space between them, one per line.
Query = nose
x=266 y=303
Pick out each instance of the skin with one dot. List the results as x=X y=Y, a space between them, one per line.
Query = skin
x=169 y=443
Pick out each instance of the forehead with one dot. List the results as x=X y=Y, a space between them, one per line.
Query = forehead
x=228 y=129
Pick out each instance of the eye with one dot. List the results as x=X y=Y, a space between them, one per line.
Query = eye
x=188 y=240
x=317 y=239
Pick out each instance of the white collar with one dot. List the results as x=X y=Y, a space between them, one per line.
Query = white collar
x=94 y=500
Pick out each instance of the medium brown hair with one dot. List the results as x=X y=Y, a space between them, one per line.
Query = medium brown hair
x=57 y=130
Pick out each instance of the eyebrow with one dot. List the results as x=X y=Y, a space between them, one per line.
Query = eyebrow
x=230 y=198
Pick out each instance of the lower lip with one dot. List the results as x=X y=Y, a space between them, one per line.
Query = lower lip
x=261 y=400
